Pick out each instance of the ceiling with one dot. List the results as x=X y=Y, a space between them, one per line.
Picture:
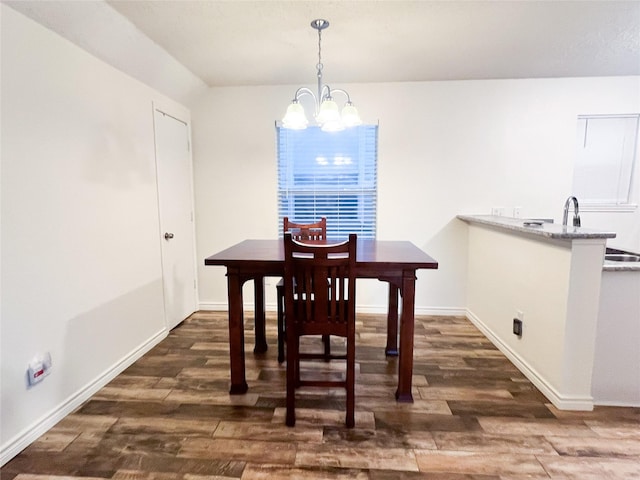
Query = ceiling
x=269 y=42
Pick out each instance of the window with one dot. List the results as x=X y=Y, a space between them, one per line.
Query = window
x=606 y=154
x=329 y=174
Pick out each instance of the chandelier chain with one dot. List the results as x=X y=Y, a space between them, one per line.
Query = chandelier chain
x=319 y=66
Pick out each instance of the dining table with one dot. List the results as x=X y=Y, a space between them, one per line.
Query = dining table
x=390 y=261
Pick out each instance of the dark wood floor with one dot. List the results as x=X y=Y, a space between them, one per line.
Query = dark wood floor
x=475 y=416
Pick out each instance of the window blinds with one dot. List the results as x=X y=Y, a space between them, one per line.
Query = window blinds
x=329 y=174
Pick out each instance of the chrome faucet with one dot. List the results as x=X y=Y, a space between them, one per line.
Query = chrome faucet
x=576 y=212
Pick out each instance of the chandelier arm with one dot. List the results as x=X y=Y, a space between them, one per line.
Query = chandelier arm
x=302 y=91
x=339 y=90
x=324 y=93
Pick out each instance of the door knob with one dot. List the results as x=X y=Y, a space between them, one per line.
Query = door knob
x=168 y=236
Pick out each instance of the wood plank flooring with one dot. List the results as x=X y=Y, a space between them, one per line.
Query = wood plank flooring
x=475 y=416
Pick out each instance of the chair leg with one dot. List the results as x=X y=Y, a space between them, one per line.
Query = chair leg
x=281 y=332
x=351 y=380
x=290 y=418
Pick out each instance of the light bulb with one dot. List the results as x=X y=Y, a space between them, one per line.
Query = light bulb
x=350 y=116
x=328 y=112
x=295 y=118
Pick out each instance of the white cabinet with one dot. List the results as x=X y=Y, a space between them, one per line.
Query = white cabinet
x=616 y=369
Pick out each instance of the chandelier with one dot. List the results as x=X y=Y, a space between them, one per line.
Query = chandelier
x=326 y=113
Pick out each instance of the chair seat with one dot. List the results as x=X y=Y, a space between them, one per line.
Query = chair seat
x=333 y=323
x=281 y=327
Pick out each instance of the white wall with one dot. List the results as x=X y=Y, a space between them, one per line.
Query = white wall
x=511 y=273
x=445 y=148
x=554 y=287
x=81 y=271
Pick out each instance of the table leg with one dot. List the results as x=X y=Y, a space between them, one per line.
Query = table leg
x=236 y=335
x=392 y=322
x=405 y=360
x=259 y=317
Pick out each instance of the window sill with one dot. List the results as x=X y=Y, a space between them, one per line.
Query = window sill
x=626 y=208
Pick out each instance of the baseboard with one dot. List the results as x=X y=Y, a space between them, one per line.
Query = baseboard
x=560 y=401
x=617 y=403
x=21 y=441
x=441 y=311
x=219 y=306
x=372 y=309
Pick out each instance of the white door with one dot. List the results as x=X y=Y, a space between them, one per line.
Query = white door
x=175 y=200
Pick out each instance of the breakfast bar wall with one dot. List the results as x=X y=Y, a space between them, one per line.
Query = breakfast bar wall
x=549 y=278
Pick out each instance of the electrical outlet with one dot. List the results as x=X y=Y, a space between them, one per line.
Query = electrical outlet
x=518 y=323
x=39 y=368
x=498 y=211
x=517 y=212
x=517 y=327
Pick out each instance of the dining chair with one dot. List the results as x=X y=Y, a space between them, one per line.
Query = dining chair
x=301 y=232
x=320 y=299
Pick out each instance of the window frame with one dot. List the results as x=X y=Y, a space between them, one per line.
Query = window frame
x=628 y=179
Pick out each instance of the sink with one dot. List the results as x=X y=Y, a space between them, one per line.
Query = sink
x=615 y=255
x=622 y=257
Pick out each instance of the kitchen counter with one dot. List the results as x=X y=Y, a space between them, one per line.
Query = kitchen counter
x=548 y=276
x=548 y=230
x=610 y=266
x=616 y=266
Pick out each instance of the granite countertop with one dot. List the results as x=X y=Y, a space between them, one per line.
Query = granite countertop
x=614 y=266
x=610 y=266
x=551 y=231
x=548 y=230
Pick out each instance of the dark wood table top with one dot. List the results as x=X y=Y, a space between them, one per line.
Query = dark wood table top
x=371 y=254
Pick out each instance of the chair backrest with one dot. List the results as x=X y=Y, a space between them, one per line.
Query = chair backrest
x=306 y=231
x=320 y=291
